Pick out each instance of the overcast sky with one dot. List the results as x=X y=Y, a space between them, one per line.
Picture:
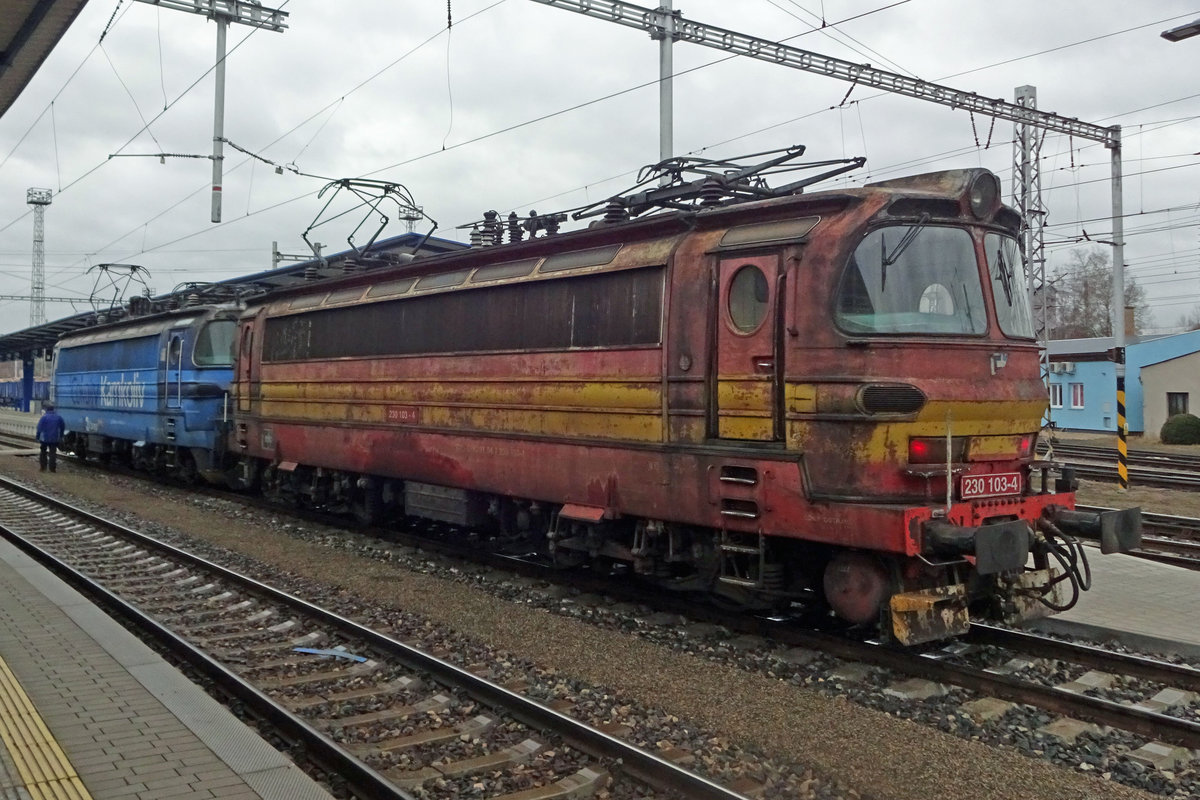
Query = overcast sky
x=489 y=116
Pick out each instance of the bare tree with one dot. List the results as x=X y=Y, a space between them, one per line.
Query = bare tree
x=1080 y=297
x=1189 y=321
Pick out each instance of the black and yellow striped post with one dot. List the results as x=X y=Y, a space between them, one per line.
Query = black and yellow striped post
x=1122 y=428
x=1118 y=358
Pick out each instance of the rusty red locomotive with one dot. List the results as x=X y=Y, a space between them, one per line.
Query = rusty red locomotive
x=832 y=396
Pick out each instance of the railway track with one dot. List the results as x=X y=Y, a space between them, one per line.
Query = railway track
x=996 y=664
x=1145 y=467
x=1167 y=539
x=369 y=709
x=999 y=673
x=18 y=441
x=952 y=665
x=991 y=664
x=1143 y=458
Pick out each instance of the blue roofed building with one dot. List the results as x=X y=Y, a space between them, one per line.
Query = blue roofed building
x=1083 y=381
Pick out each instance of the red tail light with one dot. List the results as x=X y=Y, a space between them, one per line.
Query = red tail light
x=932 y=450
x=1028 y=443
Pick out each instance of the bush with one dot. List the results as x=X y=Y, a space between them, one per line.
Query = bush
x=1181 y=429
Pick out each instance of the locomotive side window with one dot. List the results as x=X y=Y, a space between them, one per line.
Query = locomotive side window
x=912 y=279
x=99 y=356
x=214 y=344
x=748 y=298
x=1008 y=286
x=613 y=309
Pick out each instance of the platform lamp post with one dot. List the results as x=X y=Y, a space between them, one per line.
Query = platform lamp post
x=1118 y=300
x=1182 y=32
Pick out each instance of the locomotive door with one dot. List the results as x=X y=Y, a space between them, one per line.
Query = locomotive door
x=174 y=382
x=247 y=377
x=746 y=400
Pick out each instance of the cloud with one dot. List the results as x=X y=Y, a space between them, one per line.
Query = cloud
x=349 y=89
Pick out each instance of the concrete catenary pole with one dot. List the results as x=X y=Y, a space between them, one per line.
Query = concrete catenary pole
x=664 y=32
x=218 y=156
x=223 y=12
x=1118 y=306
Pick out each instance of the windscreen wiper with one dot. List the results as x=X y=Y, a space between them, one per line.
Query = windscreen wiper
x=886 y=259
x=1005 y=275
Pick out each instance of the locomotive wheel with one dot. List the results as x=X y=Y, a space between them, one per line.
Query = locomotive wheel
x=742 y=601
x=563 y=558
x=368 y=504
x=186 y=469
x=857 y=586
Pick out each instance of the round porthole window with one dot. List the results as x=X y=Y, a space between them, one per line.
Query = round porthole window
x=748 y=298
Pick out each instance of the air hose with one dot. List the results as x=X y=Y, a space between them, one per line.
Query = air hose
x=1070 y=555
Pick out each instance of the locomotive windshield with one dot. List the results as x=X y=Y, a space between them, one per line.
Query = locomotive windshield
x=214 y=344
x=1008 y=286
x=913 y=279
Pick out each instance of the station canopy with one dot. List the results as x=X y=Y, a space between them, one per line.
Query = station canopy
x=29 y=30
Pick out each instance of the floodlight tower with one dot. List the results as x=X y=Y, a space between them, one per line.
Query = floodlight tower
x=39 y=199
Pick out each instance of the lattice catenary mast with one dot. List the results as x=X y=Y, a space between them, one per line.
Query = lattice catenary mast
x=664 y=21
x=1027 y=198
x=39 y=199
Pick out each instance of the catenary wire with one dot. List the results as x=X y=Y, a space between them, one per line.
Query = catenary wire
x=407 y=162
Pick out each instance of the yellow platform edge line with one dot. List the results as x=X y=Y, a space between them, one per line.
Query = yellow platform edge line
x=42 y=765
x=59 y=790
x=36 y=757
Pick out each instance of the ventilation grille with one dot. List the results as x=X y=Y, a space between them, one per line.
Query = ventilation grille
x=892 y=399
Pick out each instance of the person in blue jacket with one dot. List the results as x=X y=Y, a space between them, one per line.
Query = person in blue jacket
x=50 y=431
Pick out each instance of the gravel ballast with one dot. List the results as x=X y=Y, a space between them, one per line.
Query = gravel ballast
x=878 y=755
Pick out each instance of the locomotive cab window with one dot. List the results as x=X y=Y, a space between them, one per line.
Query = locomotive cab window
x=214 y=344
x=912 y=279
x=1008 y=286
x=749 y=297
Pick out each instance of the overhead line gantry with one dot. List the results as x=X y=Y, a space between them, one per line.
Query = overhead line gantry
x=666 y=24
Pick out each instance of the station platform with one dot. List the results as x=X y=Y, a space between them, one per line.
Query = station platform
x=1141 y=603
x=22 y=423
x=89 y=711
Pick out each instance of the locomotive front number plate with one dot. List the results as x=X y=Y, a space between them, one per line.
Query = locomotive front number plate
x=990 y=485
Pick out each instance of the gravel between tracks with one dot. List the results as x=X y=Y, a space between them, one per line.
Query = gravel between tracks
x=876 y=754
x=1151 y=499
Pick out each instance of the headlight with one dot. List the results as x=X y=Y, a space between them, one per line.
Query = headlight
x=984 y=195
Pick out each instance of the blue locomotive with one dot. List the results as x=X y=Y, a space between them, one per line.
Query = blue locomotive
x=150 y=391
